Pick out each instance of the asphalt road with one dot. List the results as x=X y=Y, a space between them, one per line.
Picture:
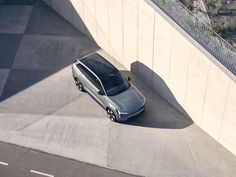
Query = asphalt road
x=17 y=161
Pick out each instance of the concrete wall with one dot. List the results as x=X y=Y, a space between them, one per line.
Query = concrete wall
x=142 y=38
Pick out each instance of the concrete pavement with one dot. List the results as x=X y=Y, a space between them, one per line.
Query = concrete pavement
x=42 y=109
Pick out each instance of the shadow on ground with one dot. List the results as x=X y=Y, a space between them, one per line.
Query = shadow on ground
x=36 y=43
x=158 y=112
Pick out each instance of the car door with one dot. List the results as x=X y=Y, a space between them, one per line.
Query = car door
x=92 y=85
x=97 y=87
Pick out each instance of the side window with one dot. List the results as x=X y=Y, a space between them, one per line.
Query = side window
x=95 y=82
x=90 y=76
x=81 y=68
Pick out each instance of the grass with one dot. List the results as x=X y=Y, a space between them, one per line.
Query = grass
x=222 y=15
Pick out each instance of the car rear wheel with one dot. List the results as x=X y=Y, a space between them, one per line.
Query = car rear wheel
x=79 y=85
x=111 y=115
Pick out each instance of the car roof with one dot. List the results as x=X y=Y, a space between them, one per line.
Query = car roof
x=98 y=65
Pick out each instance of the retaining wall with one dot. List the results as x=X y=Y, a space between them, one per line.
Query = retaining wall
x=147 y=42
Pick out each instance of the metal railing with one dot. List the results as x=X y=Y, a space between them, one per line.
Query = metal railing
x=200 y=31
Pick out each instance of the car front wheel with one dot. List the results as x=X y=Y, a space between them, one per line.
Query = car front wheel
x=79 y=85
x=111 y=115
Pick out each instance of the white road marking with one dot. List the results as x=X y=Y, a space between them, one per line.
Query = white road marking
x=3 y=163
x=41 y=173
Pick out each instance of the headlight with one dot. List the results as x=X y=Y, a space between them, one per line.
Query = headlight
x=120 y=112
x=123 y=113
x=144 y=100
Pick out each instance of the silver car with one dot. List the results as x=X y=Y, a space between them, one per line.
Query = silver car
x=108 y=86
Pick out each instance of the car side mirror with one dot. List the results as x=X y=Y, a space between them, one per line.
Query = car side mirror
x=129 y=79
x=100 y=92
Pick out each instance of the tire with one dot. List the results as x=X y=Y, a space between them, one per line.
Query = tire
x=79 y=85
x=111 y=115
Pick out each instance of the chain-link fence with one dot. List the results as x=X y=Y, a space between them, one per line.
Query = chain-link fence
x=201 y=32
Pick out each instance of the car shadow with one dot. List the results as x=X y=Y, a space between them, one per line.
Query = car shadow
x=158 y=113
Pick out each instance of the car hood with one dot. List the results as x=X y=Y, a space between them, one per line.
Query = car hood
x=128 y=101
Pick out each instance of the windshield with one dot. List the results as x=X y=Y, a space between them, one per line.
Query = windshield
x=115 y=83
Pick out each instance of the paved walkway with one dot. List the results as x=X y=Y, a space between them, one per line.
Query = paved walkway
x=41 y=108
